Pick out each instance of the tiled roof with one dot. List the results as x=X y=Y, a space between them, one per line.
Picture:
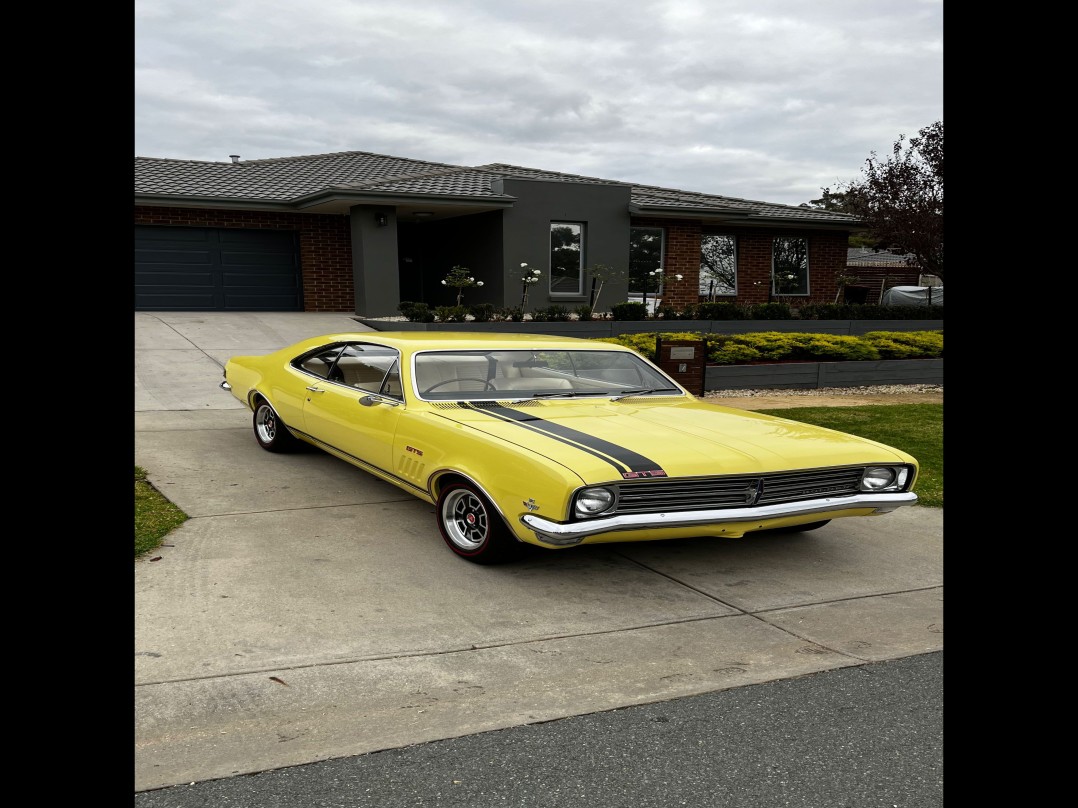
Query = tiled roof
x=283 y=180
x=865 y=257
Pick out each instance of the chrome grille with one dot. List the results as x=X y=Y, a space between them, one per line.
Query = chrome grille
x=702 y=493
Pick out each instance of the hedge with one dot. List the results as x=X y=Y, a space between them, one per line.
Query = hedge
x=775 y=346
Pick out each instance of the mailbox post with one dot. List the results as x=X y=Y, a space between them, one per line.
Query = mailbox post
x=685 y=360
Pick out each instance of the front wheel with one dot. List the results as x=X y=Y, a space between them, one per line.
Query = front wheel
x=270 y=431
x=472 y=528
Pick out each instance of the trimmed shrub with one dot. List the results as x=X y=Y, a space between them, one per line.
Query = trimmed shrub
x=482 y=312
x=514 y=314
x=629 y=310
x=451 y=314
x=416 y=312
x=906 y=344
x=551 y=314
x=774 y=346
x=858 y=311
x=771 y=311
x=722 y=311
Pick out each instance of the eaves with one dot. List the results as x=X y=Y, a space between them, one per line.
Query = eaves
x=745 y=217
x=331 y=201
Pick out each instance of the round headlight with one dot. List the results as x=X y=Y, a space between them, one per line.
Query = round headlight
x=877 y=477
x=591 y=501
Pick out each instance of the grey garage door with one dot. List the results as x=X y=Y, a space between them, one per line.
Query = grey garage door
x=216 y=269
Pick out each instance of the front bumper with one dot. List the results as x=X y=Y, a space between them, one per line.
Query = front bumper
x=569 y=533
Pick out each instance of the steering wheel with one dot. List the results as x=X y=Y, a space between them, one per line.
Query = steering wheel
x=484 y=383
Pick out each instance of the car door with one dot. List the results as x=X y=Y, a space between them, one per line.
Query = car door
x=356 y=409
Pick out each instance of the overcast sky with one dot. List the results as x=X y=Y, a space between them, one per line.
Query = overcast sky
x=768 y=100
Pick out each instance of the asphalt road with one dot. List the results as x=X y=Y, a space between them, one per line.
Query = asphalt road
x=863 y=737
x=306 y=639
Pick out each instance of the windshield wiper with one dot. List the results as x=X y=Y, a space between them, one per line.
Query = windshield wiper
x=644 y=391
x=569 y=394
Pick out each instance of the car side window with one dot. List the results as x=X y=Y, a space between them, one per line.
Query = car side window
x=321 y=363
x=366 y=367
x=391 y=385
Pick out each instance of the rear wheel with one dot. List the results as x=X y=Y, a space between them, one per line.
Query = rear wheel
x=472 y=528
x=270 y=431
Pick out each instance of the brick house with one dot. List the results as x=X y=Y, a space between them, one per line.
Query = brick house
x=358 y=232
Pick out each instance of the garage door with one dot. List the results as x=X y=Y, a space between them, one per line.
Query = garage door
x=216 y=269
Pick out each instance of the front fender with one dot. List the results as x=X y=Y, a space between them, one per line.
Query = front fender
x=516 y=479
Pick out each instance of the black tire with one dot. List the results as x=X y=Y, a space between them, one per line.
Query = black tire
x=472 y=528
x=270 y=431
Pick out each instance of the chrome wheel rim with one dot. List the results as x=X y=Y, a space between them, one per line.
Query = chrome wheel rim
x=266 y=424
x=465 y=520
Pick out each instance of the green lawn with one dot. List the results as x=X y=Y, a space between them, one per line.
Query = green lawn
x=155 y=516
x=914 y=428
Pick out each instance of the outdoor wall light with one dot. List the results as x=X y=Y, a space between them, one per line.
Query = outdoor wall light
x=381 y=219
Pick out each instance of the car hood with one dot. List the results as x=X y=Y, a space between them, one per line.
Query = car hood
x=635 y=438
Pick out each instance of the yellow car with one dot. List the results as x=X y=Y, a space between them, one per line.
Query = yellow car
x=528 y=439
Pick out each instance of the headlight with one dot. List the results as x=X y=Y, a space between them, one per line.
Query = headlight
x=592 y=501
x=880 y=478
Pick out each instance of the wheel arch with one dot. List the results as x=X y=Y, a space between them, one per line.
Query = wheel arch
x=253 y=399
x=446 y=477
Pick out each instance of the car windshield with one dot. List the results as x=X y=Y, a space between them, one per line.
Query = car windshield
x=516 y=374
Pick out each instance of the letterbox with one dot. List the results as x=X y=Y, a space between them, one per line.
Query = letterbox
x=685 y=360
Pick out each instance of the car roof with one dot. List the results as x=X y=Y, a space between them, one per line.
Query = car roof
x=412 y=341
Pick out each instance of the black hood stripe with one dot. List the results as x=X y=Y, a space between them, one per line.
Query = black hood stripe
x=627 y=462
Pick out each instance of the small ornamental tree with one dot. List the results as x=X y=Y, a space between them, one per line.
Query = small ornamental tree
x=460 y=278
x=659 y=276
x=600 y=274
x=528 y=278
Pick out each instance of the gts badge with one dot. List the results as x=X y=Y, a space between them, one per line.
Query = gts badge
x=530 y=505
x=632 y=475
x=414 y=450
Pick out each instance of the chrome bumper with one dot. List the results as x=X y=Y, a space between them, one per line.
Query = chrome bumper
x=567 y=533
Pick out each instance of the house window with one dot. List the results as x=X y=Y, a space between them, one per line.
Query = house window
x=645 y=256
x=718 y=266
x=789 y=266
x=566 y=258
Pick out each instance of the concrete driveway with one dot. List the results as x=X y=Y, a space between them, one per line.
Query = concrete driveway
x=308 y=611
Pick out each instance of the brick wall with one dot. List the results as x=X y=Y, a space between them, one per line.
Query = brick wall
x=325 y=247
x=827 y=260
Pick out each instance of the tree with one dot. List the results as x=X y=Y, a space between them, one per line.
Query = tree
x=837 y=201
x=600 y=274
x=901 y=199
x=460 y=278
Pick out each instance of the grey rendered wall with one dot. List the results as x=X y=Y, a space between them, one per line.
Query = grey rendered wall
x=602 y=209
x=374 y=262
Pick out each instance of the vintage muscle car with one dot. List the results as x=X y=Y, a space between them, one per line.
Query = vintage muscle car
x=528 y=439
